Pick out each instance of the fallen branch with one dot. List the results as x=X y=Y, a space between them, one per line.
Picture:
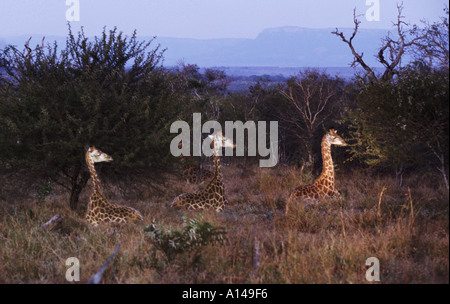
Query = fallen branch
x=256 y=257
x=97 y=277
x=379 y=203
x=51 y=224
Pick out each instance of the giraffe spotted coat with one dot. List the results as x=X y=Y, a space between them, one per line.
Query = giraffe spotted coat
x=213 y=196
x=99 y=209
x=323 y=186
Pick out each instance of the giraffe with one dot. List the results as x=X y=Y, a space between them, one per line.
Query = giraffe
x=99 y=209
x=193 y=172
x=323 y=186
x=212 y=197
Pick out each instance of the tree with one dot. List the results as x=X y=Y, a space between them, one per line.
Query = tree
x=243 y=106
x=207 y=89
x=391 y=52
x=110 y=92
x=312 y=100
x=433 y=46
x=403 y=123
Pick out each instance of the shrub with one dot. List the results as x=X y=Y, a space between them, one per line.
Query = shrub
x=110 y=91
x=194 y=235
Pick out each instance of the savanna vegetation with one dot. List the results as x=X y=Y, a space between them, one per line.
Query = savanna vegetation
x=113 y=91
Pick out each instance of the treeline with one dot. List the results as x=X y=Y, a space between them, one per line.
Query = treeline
x=114 y=92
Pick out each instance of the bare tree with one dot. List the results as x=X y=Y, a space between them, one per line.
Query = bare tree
x=391 y=51
x=313 y=99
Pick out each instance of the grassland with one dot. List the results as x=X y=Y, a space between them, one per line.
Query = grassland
x=406 y=228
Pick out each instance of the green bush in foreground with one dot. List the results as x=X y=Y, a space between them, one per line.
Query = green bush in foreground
x=195 y=234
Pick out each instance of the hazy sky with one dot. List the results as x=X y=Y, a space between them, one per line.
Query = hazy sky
x=201 y=18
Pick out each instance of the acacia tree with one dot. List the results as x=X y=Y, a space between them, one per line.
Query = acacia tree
x=110 y=91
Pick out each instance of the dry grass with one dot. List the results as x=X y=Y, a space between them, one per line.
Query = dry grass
x=406 y=228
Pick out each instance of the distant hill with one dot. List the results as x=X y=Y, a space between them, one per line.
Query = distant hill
x=284 y=72
x=275 y=47
x=281 y=48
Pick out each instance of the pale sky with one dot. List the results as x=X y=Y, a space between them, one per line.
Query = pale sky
x=202 y=19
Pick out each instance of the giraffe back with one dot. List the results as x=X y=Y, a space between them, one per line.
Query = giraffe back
x=212 y=197
x=101 y=211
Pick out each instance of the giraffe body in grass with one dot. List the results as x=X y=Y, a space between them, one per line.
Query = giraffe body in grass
x=323 y=186
x=213 y=196
x=99 y=209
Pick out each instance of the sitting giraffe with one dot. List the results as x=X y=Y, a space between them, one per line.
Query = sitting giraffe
x=323 y=187
x=99 y=209
x=212 y=197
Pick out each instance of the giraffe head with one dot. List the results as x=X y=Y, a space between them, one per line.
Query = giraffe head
x=95 y=155
x=334 y=139
x=220 y=141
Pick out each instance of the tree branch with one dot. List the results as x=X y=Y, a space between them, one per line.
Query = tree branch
x=358 y=57
x=97 y=277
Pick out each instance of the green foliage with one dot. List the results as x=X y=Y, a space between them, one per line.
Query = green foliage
x=205 y=90
x=44 y=191
x=110 y=91
x=400 y=122
x=194 y=235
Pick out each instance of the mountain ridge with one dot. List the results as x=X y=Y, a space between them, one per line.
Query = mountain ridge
x=286 y=46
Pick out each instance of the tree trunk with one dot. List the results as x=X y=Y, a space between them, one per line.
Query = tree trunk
x=437 y=151
x=309 y=161
x=79 y=181
x=399 y=174
x=442 y=169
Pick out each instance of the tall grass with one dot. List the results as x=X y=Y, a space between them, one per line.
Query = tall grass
x=406 y=228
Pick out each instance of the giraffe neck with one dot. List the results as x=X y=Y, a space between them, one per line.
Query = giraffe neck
x=96 y=197
x=217 y=166
x=94 y=176
x=328 y=168
x=217 y=179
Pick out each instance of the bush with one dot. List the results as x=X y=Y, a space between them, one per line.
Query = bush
x=194 y=235
x=404 y=122
x=110 y=92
